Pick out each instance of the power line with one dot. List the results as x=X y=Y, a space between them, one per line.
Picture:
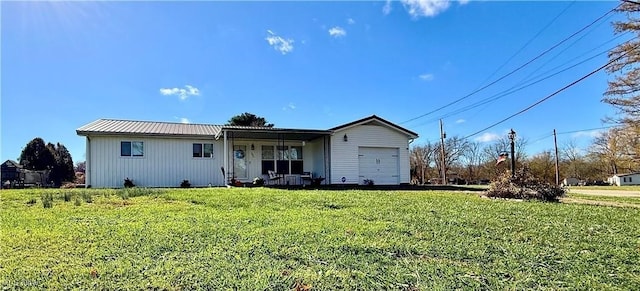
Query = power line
x=573 y=131
x=529 y=41
x=515 y=70
x=548 y=97
x=515 y=89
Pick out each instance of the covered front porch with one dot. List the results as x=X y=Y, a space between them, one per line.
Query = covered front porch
x=278 y=156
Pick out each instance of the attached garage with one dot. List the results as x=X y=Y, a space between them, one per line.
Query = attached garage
x=380 y=165
x=370 y=149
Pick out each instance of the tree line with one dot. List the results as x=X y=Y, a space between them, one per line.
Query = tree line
x=611 y=152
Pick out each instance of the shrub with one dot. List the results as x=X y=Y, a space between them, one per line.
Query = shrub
x=524 y=186
x=77 y=202
x=47 y=200
x=368 y=182
x=185 y=184
x=128 y=183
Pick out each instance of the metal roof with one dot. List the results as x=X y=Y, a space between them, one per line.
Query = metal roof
x=128 y=127
x=132 y=127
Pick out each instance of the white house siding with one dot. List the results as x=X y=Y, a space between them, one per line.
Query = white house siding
x=622 y=180
x=166 y=162
x=344 y=155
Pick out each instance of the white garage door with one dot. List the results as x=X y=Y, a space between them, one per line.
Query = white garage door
x=379 y=164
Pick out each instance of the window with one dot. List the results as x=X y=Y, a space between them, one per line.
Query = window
x=630 y=179
x=282 y=159
x=203 y=150
x=131 y=149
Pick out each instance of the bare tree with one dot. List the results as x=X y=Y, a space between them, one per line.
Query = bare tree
x=542 y=166
x=454 y=148
x=471 y=160
x=421 y=158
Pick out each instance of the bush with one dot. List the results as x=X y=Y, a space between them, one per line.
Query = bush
x=185 y=184
x=524 y=186
x=128 y=183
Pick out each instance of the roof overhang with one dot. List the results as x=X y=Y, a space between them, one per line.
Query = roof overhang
x=275 y=133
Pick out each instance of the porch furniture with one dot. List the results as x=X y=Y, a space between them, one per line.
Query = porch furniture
x=274 y=177
x=306 y=176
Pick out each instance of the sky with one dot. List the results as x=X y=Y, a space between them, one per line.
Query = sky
x=301 y=64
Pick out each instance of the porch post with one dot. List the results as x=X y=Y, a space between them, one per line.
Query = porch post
x=225 y=158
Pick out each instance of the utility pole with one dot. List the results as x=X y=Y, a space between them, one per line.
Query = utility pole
x=512 y=137
x=555 y=143
x=443 y=135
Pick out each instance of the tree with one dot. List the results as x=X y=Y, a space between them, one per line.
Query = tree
x=420 y=159
x=453 y=150
x=249 y=119
x=542 y=166
x=81 y=167
x=471 y=160
x=62 y=170
x=36 y=156
x=623 y=91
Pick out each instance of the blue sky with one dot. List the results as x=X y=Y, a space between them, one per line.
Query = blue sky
x=302 y=65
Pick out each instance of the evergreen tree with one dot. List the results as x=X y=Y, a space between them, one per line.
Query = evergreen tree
x=36 y=156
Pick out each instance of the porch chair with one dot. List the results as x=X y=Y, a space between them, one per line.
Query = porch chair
x=273 y=176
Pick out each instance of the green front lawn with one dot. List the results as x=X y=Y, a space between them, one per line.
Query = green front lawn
x=258 y=238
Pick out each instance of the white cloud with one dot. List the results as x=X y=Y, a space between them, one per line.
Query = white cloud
x=488 y=137
x=426 y=77
x=184 y=120
x=279 y=43
x=290 y=106
x=386 y=9
x=182 y=93
x=463 y=2
x=425 y=8
x=588 y=133
x=460 y=121
x=351 y=21
x=337 y=32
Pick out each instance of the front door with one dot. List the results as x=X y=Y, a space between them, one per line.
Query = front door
x=240 y=168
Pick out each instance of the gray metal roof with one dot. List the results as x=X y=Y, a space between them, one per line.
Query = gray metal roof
x=128 y=127
x=132 y=127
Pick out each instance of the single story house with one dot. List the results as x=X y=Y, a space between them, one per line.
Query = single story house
x=624 y=179
x=163 y=154
x=571 y=181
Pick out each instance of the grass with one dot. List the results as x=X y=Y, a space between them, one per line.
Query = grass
x=634 y=201
x=620 y=188
x=258 y=238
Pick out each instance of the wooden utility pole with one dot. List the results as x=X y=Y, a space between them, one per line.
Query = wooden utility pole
x=512 y=137
x=444 y=167
x=555 y=143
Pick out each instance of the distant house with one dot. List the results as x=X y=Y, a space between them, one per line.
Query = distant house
x=570 y=181
x=17 y=176
x=625 y=179
x=163 y=154
x=10 y=171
